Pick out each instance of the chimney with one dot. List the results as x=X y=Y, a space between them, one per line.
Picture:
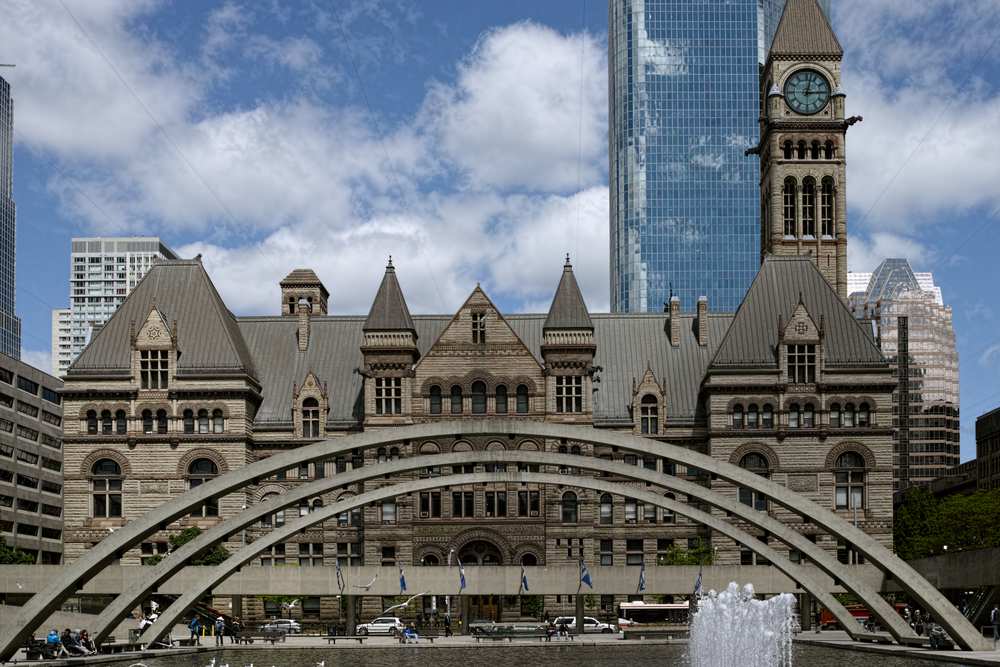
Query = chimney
x=304 y=310
x=675 y=321
x=702 y=320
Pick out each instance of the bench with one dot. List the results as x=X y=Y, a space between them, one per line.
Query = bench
x=361 y=639
x=39 y=649
x=511 y=636
x=120 y=647
x=430 y=638
x=248 y=637
x=653 y=633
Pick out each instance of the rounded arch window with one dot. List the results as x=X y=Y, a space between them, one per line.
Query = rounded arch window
x=529 y=560
x=737 y=416
x=201 y=471
x=815 y=151
x=794 y=415
x=522 y=399
x=430 y=560
x=847 y=417
x=161 y=421
x=478 y=397
x=849 y=481
x=808 y=416
x=569 y=508
x=461 y=447
x=787 y=151
x=430 y=448
x=435 y=400
x=607 y=509
x=767 y=416
x=188 y=418
x=381 y=455
x=277 y=518
x=310 y=418
x=456 y=400
x=121 y=422
x=106 y=425
x=753 y=414
x=147 y=421
x=835 y=415
x=756 y=463
x=92 y=422
x=864 y=415
x=789 y=207
x=649 y=415
x=501 y=399
x=106 y=489
x=203 y=421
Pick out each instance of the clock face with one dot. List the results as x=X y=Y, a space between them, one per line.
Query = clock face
x=807 y=91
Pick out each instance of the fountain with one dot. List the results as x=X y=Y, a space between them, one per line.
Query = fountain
x=732 y=629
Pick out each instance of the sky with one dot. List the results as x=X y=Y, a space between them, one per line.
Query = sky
x=467 y=140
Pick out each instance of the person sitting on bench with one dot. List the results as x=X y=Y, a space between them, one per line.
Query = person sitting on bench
x=409 y=634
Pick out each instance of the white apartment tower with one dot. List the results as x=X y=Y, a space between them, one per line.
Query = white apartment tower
x=102 y=272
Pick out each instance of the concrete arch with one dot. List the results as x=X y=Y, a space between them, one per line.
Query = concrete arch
x=36 y=611
x=725 y=502
x=213 y=575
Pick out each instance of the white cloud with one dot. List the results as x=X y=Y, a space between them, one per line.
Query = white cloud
x=865 y=254
x=40 y=359
x=990 y=355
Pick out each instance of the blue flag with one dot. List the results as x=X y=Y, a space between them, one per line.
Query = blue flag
x=402 y=581
x=524 y=580
x=697 y=584
x=585 y=575
x=642 y=579
x=340 y=577
x=461 y=576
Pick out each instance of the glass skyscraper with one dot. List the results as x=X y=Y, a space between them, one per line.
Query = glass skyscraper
x=10 y=324
x=684 y=106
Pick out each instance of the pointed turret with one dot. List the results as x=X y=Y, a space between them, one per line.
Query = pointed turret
x=568 y=310
x=804 y=31
x=389 y=311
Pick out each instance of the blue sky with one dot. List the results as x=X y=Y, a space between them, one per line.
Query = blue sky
x=471 y=145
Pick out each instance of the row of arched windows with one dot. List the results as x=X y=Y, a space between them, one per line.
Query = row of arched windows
x=802 y=415
x=634 y=511
x=799 y=208
x=106 y=480
x=155 y=421
x=501 y=399
x=809 y=151
x=848 y=474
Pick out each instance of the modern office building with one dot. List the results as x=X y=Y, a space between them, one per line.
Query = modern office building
x=684 y=105
x=31 y=461
x=10 y=323
x=102 y=273
x=988 y=449
x=916 y=333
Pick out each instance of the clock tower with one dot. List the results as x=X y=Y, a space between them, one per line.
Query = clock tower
x=802 y=144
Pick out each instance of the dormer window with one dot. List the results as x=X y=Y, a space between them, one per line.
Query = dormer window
x=569 y=393
x=388 y=396
x=802 y=364
x=649 y=416
x=310 y=418
x=153 y=367
x=479 y=328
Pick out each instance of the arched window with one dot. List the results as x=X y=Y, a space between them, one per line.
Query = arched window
x=522 y=399
x=106 y=422
x=529 y=560
x=649 y=415
x=607 y=510
x=757 y=464
x=835 y=415
x=569 y=508
x=849 y=478
x=310 y=418
x=802 y=150
x=199 y=472
x=668 y=514
x=161 y=421
x=788 y=206
x=752 y=416
x=381 y=455
x=277 y=519
x=737 y=416
x=864 y=415
x=787 y=151
x=121 y=422
x=91 y=422
x=303 y=507
x=456 y=400
x=814 y=153
x=809 y=206
x=189 y=421
x=808 y=416
x=106 y=489
x=430 y=560
x=435 y=400
x=502 y=399
x=826 y=207
x=203 y=421
x=352 y=518
x=478 y=397
x=847 y=416
x=767 y=416
x=394 y=453
x=793 y=415
x=831 y=150
x=317 y=505
x=147 y=421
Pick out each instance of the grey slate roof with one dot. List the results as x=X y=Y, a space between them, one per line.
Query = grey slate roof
x=389 y=311
x=753 y=337
x=301 y=277
x=568 y=310
x=208 y=336
x=804 y=30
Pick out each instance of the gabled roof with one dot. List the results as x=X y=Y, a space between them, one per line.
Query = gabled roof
x=568 y=310
x=804 y=31
x=389 y=311
x=753 y=337
x=208 y=336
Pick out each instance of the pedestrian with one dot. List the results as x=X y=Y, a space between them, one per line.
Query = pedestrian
x=817 y=620
x=995 y=622
x=234 y=629
x=447 y=625
x=220 y=631
x=195 y=627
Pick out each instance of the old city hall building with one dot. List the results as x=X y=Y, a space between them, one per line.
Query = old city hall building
x=175 y=389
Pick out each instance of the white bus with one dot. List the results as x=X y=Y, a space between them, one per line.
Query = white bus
x=646 y=613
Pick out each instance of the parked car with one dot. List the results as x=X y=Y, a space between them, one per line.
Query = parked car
x=287 y=625
x=383 y=625
x=590 y=624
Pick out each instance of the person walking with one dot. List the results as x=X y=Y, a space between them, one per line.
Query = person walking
x=995 y=622
x=220 y=631
x=447 y=625
x=195 y=627
x=234 y=629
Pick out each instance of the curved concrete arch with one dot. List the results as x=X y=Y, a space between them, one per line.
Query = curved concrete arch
x=213 y=575
x=38 y=608
x=159 y=573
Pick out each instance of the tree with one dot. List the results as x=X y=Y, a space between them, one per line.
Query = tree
x=699 y=554
x=924 y=525
x=213 y=555
x=912 y=524
x=14 y=556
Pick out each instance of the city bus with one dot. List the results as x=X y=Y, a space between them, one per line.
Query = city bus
x=646 y=613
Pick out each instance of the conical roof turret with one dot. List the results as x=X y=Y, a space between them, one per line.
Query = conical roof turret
x=389 y=311
x=804 y=31
x=568 y=309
